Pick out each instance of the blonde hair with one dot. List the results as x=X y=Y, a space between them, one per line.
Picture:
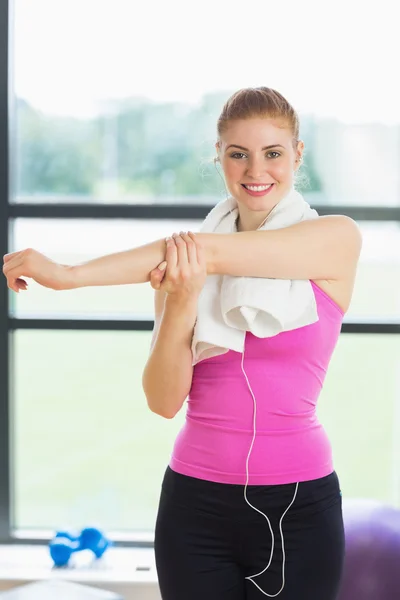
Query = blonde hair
x=265 y=102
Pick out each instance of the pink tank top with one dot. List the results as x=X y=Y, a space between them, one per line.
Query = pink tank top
x=286 y=374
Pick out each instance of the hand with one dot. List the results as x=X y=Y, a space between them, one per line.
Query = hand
x=184 y=271
x=33 y=264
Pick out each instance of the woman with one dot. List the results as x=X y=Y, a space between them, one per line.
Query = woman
x=233 y=525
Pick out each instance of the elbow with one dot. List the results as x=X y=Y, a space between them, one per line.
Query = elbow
x=160 y=403
x=162 y=408
x=161 y=412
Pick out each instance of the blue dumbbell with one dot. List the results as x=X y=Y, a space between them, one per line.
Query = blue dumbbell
x=93 y=539
x=65 y=543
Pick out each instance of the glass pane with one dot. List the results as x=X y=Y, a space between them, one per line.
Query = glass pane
x=111 y=123
x=359 y=407
x=87 y=448
x=376 y=293
x=75 y=241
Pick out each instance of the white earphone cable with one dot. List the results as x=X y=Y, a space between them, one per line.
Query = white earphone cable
x=250 y=577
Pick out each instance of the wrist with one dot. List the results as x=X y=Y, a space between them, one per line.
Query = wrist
x=69 y=277
x=208 y=242
x=181 y=308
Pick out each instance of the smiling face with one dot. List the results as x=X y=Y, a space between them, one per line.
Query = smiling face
x=259 y=161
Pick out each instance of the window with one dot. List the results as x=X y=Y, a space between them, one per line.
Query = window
x=87 y=448
x=359 y=407
x=121 y=122
x=104 y=146
x=375 y=296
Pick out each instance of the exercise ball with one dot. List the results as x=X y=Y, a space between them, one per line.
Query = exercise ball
x=372 y=560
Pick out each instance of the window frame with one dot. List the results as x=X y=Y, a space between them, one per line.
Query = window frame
x=8 y=325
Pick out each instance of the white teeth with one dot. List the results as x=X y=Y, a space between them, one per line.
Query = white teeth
x=258 y=188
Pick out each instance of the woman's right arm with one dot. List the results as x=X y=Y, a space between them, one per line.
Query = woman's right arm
x=168 y=373
x=167 y=377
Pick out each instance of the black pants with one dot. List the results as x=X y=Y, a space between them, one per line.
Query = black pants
x=208 y=540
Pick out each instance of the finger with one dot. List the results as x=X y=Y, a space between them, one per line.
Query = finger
x=191 y=248
x=11 y=283
x=155 y=279
x=160 y=270
x=12 y=271
x=171 y=255
x=10 y=280
x=157 y=275
x=21 y=284
x=161 y=267
x=12 y=263
x=183 y=260
x=9 y=256
x=201 y=255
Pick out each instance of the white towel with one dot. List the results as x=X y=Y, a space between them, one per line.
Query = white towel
x=229 y=306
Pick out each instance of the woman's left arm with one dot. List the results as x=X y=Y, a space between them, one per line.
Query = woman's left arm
x=324 y=248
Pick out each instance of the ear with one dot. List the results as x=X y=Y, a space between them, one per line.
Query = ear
x=218 y=149
x=299 y=155
x=300 y=149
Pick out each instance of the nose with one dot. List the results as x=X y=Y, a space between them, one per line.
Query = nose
x=256 y=168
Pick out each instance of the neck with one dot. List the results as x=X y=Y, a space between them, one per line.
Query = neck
x=249 y=220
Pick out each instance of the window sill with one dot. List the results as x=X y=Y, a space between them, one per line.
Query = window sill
x=129 y=572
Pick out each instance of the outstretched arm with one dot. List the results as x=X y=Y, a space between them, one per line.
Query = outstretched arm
x=324 y=248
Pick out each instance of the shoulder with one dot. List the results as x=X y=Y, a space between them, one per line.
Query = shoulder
x=341 y=241
x=348 y=237
x=345 y=228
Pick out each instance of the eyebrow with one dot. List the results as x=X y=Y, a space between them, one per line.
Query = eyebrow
x=247 y=150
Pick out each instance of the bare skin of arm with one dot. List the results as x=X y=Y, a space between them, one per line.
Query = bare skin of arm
x=324 y=250
x=167 y=376
x=168 y=373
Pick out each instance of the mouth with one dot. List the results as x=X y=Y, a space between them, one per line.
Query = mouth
x=258 y=190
